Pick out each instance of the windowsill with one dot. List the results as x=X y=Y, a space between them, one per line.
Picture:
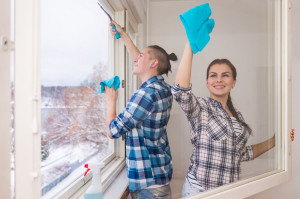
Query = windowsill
x=114 y=180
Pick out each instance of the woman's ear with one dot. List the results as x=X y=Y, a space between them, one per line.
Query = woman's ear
x=233 y=83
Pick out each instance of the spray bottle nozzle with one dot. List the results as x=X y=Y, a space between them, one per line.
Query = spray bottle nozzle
x=95 y=190
x=87 y=170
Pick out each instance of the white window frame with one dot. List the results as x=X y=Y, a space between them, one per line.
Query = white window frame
x=5 y=100
x=27 y=103
x=27 y=106
x=254 y=185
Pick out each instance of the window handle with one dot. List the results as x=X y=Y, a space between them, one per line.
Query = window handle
x=123 y=83
x=292 y=134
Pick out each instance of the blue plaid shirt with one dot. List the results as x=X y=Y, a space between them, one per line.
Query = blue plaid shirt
x=144 y=121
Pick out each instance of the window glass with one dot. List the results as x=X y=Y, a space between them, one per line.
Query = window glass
x=74 y=59
x=248 y=34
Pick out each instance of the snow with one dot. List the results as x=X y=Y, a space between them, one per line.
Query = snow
x=62 y=160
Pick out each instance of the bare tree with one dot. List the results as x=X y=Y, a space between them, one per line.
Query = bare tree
x=78 y=113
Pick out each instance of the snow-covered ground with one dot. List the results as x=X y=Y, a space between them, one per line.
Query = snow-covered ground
x=65 y=164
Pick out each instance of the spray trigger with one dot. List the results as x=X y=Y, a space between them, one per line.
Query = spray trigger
x=87 y=169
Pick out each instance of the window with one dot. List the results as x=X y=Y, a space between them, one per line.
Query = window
x=62 y=125
x=77 y=43
x=28 y=90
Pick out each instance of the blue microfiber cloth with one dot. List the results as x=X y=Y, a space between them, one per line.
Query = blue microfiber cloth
x=198 y=26
x=114 y=81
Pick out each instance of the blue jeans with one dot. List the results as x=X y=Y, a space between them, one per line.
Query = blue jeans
x=163 y=192
x=189 y=190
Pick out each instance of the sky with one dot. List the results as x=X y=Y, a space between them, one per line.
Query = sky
x=74 y=38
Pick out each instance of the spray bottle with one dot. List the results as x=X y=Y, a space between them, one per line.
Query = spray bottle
x=95 y=189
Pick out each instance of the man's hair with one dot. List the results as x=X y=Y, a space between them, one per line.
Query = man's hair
x=164 y=65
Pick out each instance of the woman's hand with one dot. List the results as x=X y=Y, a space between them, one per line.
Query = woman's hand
x=263 y=147
x=272 y=142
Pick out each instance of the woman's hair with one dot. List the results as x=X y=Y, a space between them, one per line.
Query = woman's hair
x=164 y=65
x=229 y=102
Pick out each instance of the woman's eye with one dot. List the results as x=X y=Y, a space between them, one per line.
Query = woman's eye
x=212 y=75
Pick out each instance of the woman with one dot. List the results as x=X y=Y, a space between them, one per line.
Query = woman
x=219 y=133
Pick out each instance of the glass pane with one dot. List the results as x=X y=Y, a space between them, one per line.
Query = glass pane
x=247 y=33
x=74 y=59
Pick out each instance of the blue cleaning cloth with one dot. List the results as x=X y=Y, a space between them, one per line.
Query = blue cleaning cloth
x=198 y=26
x=114 y=81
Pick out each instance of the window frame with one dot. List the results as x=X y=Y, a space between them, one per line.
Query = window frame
x=254 y=185
x=28 y=99
x=5 y=100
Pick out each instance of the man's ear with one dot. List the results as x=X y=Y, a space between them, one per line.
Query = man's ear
x=154 y=63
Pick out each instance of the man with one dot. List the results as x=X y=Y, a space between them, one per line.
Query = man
x=144 y=121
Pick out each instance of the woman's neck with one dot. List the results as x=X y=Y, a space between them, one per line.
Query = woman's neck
x=223 y=101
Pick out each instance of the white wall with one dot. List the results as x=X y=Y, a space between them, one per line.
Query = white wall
x=240 y=34
x=291 y=189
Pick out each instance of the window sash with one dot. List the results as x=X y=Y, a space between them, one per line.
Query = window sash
x=251 y=186
x=27 y=100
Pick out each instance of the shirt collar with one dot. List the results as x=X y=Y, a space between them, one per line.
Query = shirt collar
x=151 y=80
x=214 y=102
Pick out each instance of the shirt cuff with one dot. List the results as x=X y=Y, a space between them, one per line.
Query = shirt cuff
x=176 y=88
x=113 y=131
x=250 y=152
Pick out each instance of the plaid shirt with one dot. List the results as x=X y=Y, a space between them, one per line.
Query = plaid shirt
x=217 y=150
x=144 y=120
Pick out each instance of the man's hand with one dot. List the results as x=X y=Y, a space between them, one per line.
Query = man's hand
x=118 y=27
x=111 y=95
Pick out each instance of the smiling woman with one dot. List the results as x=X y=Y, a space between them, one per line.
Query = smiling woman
x=219 y=132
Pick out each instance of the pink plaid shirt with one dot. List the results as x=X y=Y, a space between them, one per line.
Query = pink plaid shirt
x=217 y=150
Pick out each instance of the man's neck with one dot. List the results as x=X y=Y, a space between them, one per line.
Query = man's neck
x=146 y=77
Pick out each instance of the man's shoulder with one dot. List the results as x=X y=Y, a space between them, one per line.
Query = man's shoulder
x=158 y=86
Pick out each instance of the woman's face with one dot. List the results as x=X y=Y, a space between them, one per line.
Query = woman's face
x=220 y=80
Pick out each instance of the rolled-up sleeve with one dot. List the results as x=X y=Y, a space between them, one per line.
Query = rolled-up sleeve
x=187 y=100
x=139 y=107
x=247 y=153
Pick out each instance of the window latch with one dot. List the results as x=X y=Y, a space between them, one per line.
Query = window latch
x=292 y=134
x=5 y=44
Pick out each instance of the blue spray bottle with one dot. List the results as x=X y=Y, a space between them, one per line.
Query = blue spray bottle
x=95 y=190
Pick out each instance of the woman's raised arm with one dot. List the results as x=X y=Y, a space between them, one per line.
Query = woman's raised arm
x=183 y=76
